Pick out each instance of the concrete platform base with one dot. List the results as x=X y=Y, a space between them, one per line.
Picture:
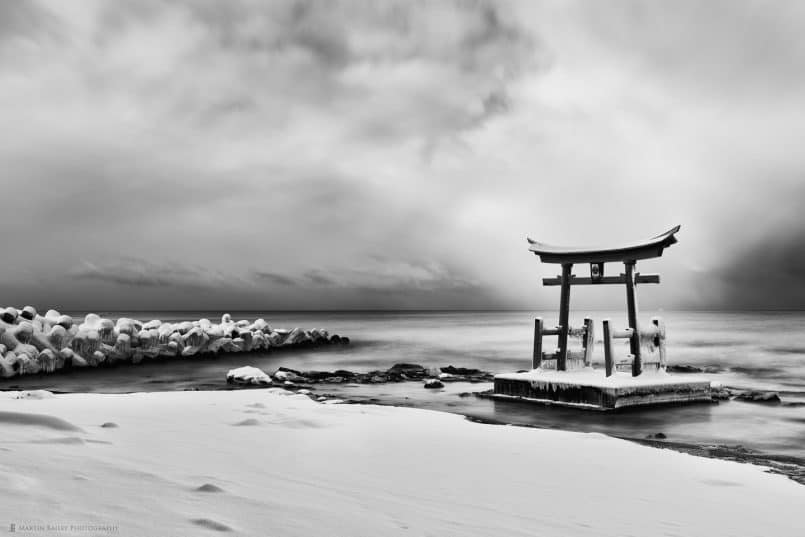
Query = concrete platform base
x=591 y=389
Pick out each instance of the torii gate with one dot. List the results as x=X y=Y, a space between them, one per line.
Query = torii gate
x=597 y=257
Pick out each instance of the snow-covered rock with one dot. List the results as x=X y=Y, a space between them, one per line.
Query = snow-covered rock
x=288 y=376
x=247 y=375
x=9 y=315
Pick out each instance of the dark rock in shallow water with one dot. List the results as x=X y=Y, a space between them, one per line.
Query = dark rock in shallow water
x=759 y=397
x=407 y=369
x=109 y=425
x=686 y=368
x=721 y=394
x=450 y=370
x=397 y=373
x=433 y=384
x=289 y=376
x=335 y=339
x=483 y=377
x=683 y=368
x=316 y=375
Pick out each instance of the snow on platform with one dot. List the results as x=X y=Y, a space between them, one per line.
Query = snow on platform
x=590 y=388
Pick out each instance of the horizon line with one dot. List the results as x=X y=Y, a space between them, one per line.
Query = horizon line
x=424 y=310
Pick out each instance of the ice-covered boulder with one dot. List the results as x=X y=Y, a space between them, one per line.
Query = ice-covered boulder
x=163 y=332
x=247 y=340
x=28 y=313
x=217 y=345
x=193 y=341
x=23 y=332
x=92 y=321
x=148 y=343
x=260 y=324
x=128 y=326
x=214 y=331
x=65 y=321
x=9 y=315
x=295 y=337
x=70 y=357
x=106 y=330
x=154 y=323
x=86 y=342
x=52 y=316
x=8 y=364
x=47 y=360
x=247 y=375
x=122 y=348
x=97 y=358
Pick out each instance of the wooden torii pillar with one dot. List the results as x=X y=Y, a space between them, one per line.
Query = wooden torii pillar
x=596 y=258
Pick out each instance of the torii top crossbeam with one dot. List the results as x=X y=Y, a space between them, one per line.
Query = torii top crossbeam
x=646 y=249
x=627 y=254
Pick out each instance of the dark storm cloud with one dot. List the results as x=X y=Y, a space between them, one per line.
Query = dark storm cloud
x=381 y=282
x=378 y=274
x=276 y=279
x=769 y=273
x=385 y=154
x=317 y=277
x=134 y=272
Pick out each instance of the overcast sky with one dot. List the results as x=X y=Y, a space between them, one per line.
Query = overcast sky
x=298 y=155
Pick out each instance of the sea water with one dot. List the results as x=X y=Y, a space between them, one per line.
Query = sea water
x=745 y=350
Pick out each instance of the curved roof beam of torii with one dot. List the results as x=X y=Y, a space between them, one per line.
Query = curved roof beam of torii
x=645 y=249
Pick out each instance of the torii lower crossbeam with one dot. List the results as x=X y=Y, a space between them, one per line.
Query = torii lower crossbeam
x=629 y=279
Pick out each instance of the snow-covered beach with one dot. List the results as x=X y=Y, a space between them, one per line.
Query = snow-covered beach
x=263 y=462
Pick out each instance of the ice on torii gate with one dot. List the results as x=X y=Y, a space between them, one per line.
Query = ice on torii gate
x=597 y=259
x=572 y=381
